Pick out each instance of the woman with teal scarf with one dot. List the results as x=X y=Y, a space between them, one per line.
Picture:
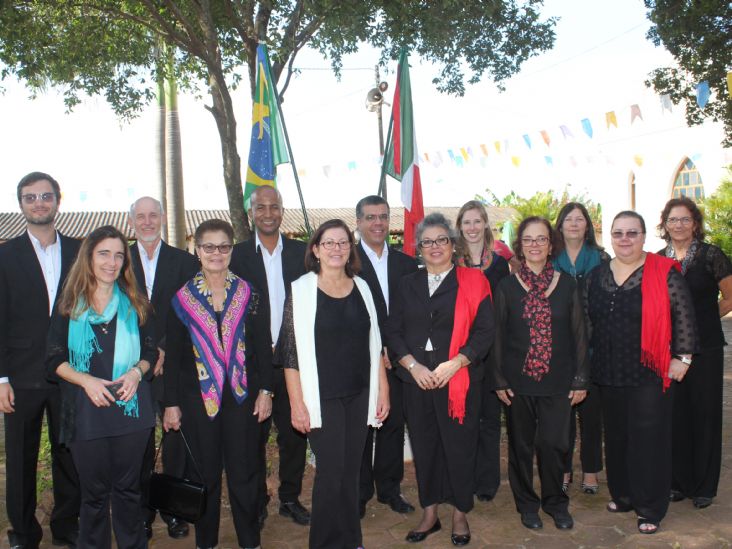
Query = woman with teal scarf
x=580 y=254
x=100 y=349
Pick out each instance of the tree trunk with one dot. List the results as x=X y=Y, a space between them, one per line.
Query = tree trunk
x=223 y=113
x=174 y=168
x=160 y=190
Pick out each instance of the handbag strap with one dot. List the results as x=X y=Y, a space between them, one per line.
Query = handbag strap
x=188 y=449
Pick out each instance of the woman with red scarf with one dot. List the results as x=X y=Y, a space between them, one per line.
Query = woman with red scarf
x=540 y=370
x=643 y=335
x=440 y=327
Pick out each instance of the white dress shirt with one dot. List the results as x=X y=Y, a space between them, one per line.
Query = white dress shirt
x=149 y=266
x=381 y=267
x=275 y=284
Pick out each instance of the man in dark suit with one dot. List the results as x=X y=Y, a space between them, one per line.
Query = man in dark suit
x=160 y=271
x=382 y=267
x=271 y=261
x=33 y=267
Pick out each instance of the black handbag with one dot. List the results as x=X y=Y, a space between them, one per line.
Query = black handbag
x=180 y=497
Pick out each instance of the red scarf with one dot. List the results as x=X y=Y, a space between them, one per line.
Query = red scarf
x=656 y=315
x=473 y=287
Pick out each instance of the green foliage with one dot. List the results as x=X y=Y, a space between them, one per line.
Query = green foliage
x=44 y=480
x=544 y=204
x=718 y=216
x=699 y=36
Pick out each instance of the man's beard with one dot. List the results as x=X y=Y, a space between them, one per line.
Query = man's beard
x=151 y=238
x=45 y=220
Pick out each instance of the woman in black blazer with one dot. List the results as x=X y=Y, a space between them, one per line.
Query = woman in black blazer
x=440 y=327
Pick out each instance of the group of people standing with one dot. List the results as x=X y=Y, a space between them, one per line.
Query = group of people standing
x=343 y=343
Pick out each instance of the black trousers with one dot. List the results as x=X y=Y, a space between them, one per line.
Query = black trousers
x=173 y=457
x=383 y=456
x=697 y=426
x=338 y=447
x=228 y=442
x=22 y=442
x=538 y=424
x=109 y=473
x=589 y=412
x=638 y=447
x=292 y=445
x=444 y=450
x=488 y=460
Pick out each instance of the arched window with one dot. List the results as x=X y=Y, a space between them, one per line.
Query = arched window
x=688 y=182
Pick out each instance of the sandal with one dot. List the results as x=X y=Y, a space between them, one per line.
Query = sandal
x=646 y=526
x=566 y=481
x=615 y=507
x=587 y=488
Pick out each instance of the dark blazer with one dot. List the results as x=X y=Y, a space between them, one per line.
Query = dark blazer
x=247 y=263
x=175 y=268
x=24 y=316
x=415 y=316
x=398 y=264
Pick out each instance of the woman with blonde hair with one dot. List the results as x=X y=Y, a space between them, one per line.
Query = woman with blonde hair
x=100 y=347
x=474 y=248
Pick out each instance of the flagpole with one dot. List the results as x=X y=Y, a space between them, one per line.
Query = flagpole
x=292 y=161
x=382 y=179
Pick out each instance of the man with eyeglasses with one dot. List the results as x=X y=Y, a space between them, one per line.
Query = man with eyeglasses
x=271 y=261
x=160 y=270
x=33 y=267
x=381 y=267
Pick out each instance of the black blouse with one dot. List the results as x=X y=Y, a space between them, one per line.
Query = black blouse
x=569 y=365
x=615 y=324
x=497 y=271
x=706 y=270
x=342 y=352
x=80 y=419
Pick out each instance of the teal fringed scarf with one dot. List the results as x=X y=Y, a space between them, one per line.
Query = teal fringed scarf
x=587 y=259
x=83 y=343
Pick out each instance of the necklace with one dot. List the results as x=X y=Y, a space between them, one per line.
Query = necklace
x=104 y=327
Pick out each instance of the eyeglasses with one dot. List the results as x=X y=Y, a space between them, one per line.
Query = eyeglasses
x=439 y=241
x=31 y=198
x=373 y=217
x=223 y=249
x=538 y=241
x=676 y=220
x=619 y=235
x=331 y=244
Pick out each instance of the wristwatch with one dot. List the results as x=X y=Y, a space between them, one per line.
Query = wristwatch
x=685 y=360
x=266 y=392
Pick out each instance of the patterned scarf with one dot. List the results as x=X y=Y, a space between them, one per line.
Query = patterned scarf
x=688 y=258
x=538 y=315
x=486 y=260
x=83 y=342
x=217 y=359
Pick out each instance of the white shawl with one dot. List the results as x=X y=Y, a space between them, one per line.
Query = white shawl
x=304 y=305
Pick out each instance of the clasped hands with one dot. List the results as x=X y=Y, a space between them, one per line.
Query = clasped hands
x=439 y=377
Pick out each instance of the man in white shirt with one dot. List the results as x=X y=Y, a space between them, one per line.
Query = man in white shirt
x=33 y=267
x=160 y=271
x=271 y=261
x=382 y=267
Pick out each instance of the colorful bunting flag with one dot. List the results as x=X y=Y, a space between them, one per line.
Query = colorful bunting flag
x=566 y=132
x=702 y=94
x=549 y=161
x=587 y=127
x=635 y=112
x=516 y=161
x=484 y=148
x=451 y=154
x=638 y=159
x=527 y=140
x=497 y=145
x=402 y=160
x=464 y=152
x=459 y=161
x=545 y=137
x=666 y=103
x=326 y=170
x=351 y=165
x=729 y=83
x=267 y=147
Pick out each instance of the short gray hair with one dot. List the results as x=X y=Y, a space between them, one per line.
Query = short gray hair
x=134 y=204
x=436 y=220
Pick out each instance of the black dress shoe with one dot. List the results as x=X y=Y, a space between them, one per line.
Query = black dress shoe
x=415 y=536
x=676 y=495
x=459 y=540
x=531 y=520
x=702 y=502
x=398 y=504
x=563 y=520
x=485 y=497
x=68 y=540
x=177 y=528
x=295 y=511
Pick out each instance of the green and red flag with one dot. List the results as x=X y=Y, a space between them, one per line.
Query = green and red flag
x=267 y=148
x=401 y=160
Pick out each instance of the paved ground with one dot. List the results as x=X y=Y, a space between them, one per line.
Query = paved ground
x=496 y=524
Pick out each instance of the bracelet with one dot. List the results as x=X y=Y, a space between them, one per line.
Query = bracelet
x=138 y=370
x=266 y=392
x=412 y=365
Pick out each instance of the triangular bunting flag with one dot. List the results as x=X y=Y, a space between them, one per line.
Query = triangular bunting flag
x=527 y=140
x=587 y=127
x=635 y=112
x=611 y=119
x=566 y=132
x=545 y=137
x=666 y=103
x=702 y=94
